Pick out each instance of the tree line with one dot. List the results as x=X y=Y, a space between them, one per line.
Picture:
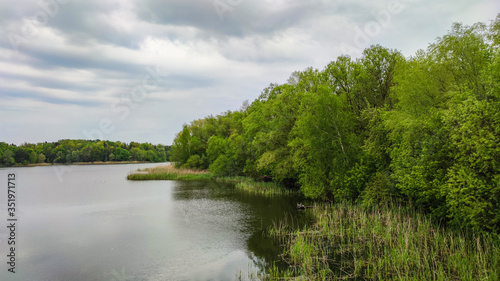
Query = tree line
x=71 y=151
x=423 y=129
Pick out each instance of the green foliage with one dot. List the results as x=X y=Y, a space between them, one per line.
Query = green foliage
x=121 y=154
x=71 y=151
x=325 y=145
x=473 y=181
x=8 y=158
x=388 y=242
x=41 y=158
x=378 y=190
x=169 y=172
x=195 y=162
x=423 y=129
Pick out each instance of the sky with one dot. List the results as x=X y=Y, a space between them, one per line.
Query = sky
x=130 y=70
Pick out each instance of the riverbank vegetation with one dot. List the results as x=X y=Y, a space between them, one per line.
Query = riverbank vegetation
x=424 y=130
x=80 y=152
x=169 y=172
x=85 y=163
x=389 y=242
x=264 y=188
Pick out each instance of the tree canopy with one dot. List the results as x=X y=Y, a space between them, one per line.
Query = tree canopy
x=423 y=129
x=71 y=151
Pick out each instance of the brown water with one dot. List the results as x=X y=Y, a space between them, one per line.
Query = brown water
x=90 y=223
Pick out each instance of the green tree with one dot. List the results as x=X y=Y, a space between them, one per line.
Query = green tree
x=121 y=154
x=8 y=157
x=472 y=188
x=33 y=157
x=181 y=148
x=41 y=158
x=325 y=146
x=75 y=156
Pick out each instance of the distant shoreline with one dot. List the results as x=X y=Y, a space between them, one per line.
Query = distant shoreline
x=84 y=163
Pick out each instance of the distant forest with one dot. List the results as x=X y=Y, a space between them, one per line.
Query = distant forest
x=424 y=130
x=71 y=151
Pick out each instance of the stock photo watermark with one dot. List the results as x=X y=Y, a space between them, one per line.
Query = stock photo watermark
x=123 y=106
x=30 y=28
x=222 y=7
x=382 y=19
x=12 y=222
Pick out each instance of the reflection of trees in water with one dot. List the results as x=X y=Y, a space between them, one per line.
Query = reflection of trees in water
x=188 y=190
x=265 y=250
x=263 y=212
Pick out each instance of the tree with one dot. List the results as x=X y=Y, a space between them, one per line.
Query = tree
x=75 y=156
x=464 y=54
x=33 y=157
x=20 y=155
x=325 y=146
x=181 y=148
x=8 y=157
x=87 y=153
x=41 y=158
x=472 y=188
x=60 y=158
x=161 y=153
x=121 y=154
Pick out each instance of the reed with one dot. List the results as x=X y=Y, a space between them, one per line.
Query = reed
x=169 y=172
x=258 y=187
x=390 y=242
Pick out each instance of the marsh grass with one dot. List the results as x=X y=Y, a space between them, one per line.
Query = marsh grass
x=252 y=186
x=169 y=172
x=264 y=188
x=351 y=242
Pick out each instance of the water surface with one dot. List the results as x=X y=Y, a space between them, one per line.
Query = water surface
x=90 y=223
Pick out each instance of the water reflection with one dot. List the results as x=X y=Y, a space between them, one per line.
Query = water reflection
x=96 y=225
x=260 y=213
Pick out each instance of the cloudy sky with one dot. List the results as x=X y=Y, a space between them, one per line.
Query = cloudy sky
x=130 y=70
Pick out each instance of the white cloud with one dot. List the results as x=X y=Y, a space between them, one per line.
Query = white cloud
x=91 y=54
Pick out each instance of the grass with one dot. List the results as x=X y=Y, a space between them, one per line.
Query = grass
x=169 y=172
x=259 y=187
x=350 y=242
x=264 y=188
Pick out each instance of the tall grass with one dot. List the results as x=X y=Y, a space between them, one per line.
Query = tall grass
x=386 y=243
x=258 y=187
x=169 y=172
x=264 y=188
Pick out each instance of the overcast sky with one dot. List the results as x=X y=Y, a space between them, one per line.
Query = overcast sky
x=130 y=70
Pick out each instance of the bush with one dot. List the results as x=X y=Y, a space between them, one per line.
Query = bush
x=194 y=162
x=377 y=190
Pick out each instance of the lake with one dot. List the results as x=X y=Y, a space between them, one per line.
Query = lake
x=87 y=222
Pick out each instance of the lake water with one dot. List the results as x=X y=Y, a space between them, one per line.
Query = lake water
x=90 y=223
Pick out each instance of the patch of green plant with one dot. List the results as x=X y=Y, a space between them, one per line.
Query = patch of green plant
x=383 y=243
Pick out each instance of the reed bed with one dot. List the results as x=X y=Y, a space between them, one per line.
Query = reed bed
x=258 y=187
x=169 y=172
x=351 y=242
x=264 y=188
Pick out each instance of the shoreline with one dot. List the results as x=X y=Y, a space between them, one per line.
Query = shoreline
x=247 y=184
x=386 y=242
x=84 y=163
x=168 y=172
